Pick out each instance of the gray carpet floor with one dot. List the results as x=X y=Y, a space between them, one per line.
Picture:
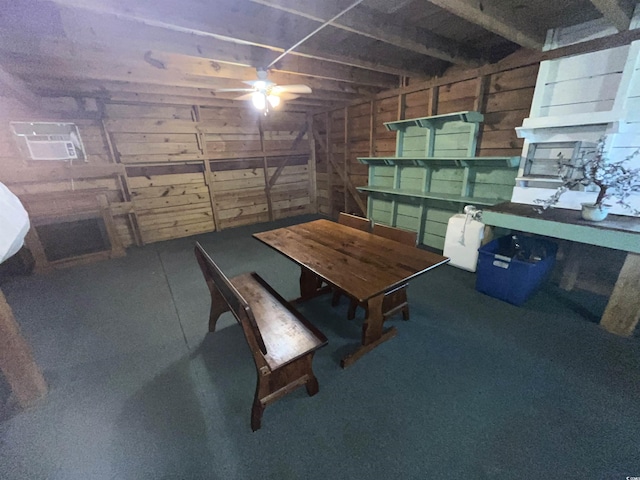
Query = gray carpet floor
x=471 y=387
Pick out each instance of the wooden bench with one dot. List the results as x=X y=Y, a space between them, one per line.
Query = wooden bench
x=281 y=340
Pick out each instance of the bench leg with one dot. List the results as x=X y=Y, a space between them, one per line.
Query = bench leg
x=273 y=385
x=312 y=386
x=256 y=414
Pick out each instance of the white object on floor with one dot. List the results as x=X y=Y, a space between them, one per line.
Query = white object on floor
x=463 y=238
x=14 y=223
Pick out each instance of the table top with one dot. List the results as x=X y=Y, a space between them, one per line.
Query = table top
x=359 y=263
x=616 y=231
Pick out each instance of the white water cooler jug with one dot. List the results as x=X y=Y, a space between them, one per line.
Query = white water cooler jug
x=463 y=239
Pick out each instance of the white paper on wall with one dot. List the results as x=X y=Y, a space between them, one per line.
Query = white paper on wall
x=14 y=223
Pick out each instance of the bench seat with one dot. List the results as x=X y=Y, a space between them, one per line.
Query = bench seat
x=281 y=340
x=287 y=335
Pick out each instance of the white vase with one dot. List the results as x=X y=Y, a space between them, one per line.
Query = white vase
x=594 y=213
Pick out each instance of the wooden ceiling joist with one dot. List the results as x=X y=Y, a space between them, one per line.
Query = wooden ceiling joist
x=88 y=28
x=12 y=86
x=616 y=12
x=494 y=20
x=230 y=27
x=364 y=22
x=56 y=59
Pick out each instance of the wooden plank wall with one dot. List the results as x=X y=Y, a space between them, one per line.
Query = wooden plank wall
x=503 y=97
x=58 y=189
x=168 y=171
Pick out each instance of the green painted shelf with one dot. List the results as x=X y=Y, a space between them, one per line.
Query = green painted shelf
x=434 y=174
x=445 y=197
x=435 y=120
x=509 y=162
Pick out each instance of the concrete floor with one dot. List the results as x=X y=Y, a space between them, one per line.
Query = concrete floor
x=470 y=388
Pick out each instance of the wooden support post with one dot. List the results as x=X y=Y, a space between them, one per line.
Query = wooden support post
x=267 y=187
x=433 y=101
x=402 y=105
x=348 y=185
x=372 y=128
x=294 y=147
x=345 y=159
x=345 y=179
x=122 y=179
x=208 y=177
x=16 y=361
x=33 y=243
x=479 y=105
x=313 y=181
x=329 y=166
x=117 y=249
x=623 y=310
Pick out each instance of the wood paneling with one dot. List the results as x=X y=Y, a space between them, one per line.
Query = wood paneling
x=504 y=97
x=167 y=171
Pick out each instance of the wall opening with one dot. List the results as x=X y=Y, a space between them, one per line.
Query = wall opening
x=71 y=239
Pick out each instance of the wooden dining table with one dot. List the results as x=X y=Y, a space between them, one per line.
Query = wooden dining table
x=363 y=265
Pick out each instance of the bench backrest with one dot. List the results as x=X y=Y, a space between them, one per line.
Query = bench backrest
x=353 y=221
x=218 y=282
x=403 y=236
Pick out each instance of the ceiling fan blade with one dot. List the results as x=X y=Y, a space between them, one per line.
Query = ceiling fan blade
x=291 y=89
x=234 y=90
x=288 y=96
x=248 y=96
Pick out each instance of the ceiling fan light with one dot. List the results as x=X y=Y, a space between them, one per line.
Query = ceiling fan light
x=259 y=100
x=260 y=85
x=274 y=100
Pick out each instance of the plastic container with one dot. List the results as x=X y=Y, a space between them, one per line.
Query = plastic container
x=462 y=241
x=512 y=269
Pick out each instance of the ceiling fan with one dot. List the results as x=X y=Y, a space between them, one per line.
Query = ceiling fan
x=265 y=94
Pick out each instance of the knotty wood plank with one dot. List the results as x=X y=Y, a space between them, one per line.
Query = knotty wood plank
x=170 y=201
x=166 y=180
x=130 y=126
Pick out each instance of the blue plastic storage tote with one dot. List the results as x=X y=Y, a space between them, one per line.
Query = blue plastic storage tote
x=514 y=279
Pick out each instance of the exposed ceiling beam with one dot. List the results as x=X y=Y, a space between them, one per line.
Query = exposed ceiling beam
x=225 y=25
x=87 y=28
x=363 y=22
x=107 y=89
x=616 y=12
x=495 y=20
x=57 y=58
x=16 y=88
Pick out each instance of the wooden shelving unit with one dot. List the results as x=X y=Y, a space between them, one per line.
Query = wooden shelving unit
x=434 y=174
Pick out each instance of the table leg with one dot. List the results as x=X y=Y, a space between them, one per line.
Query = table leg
x=571 y=268
x=310 y=285
x=623 y=310
x=372 y=331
